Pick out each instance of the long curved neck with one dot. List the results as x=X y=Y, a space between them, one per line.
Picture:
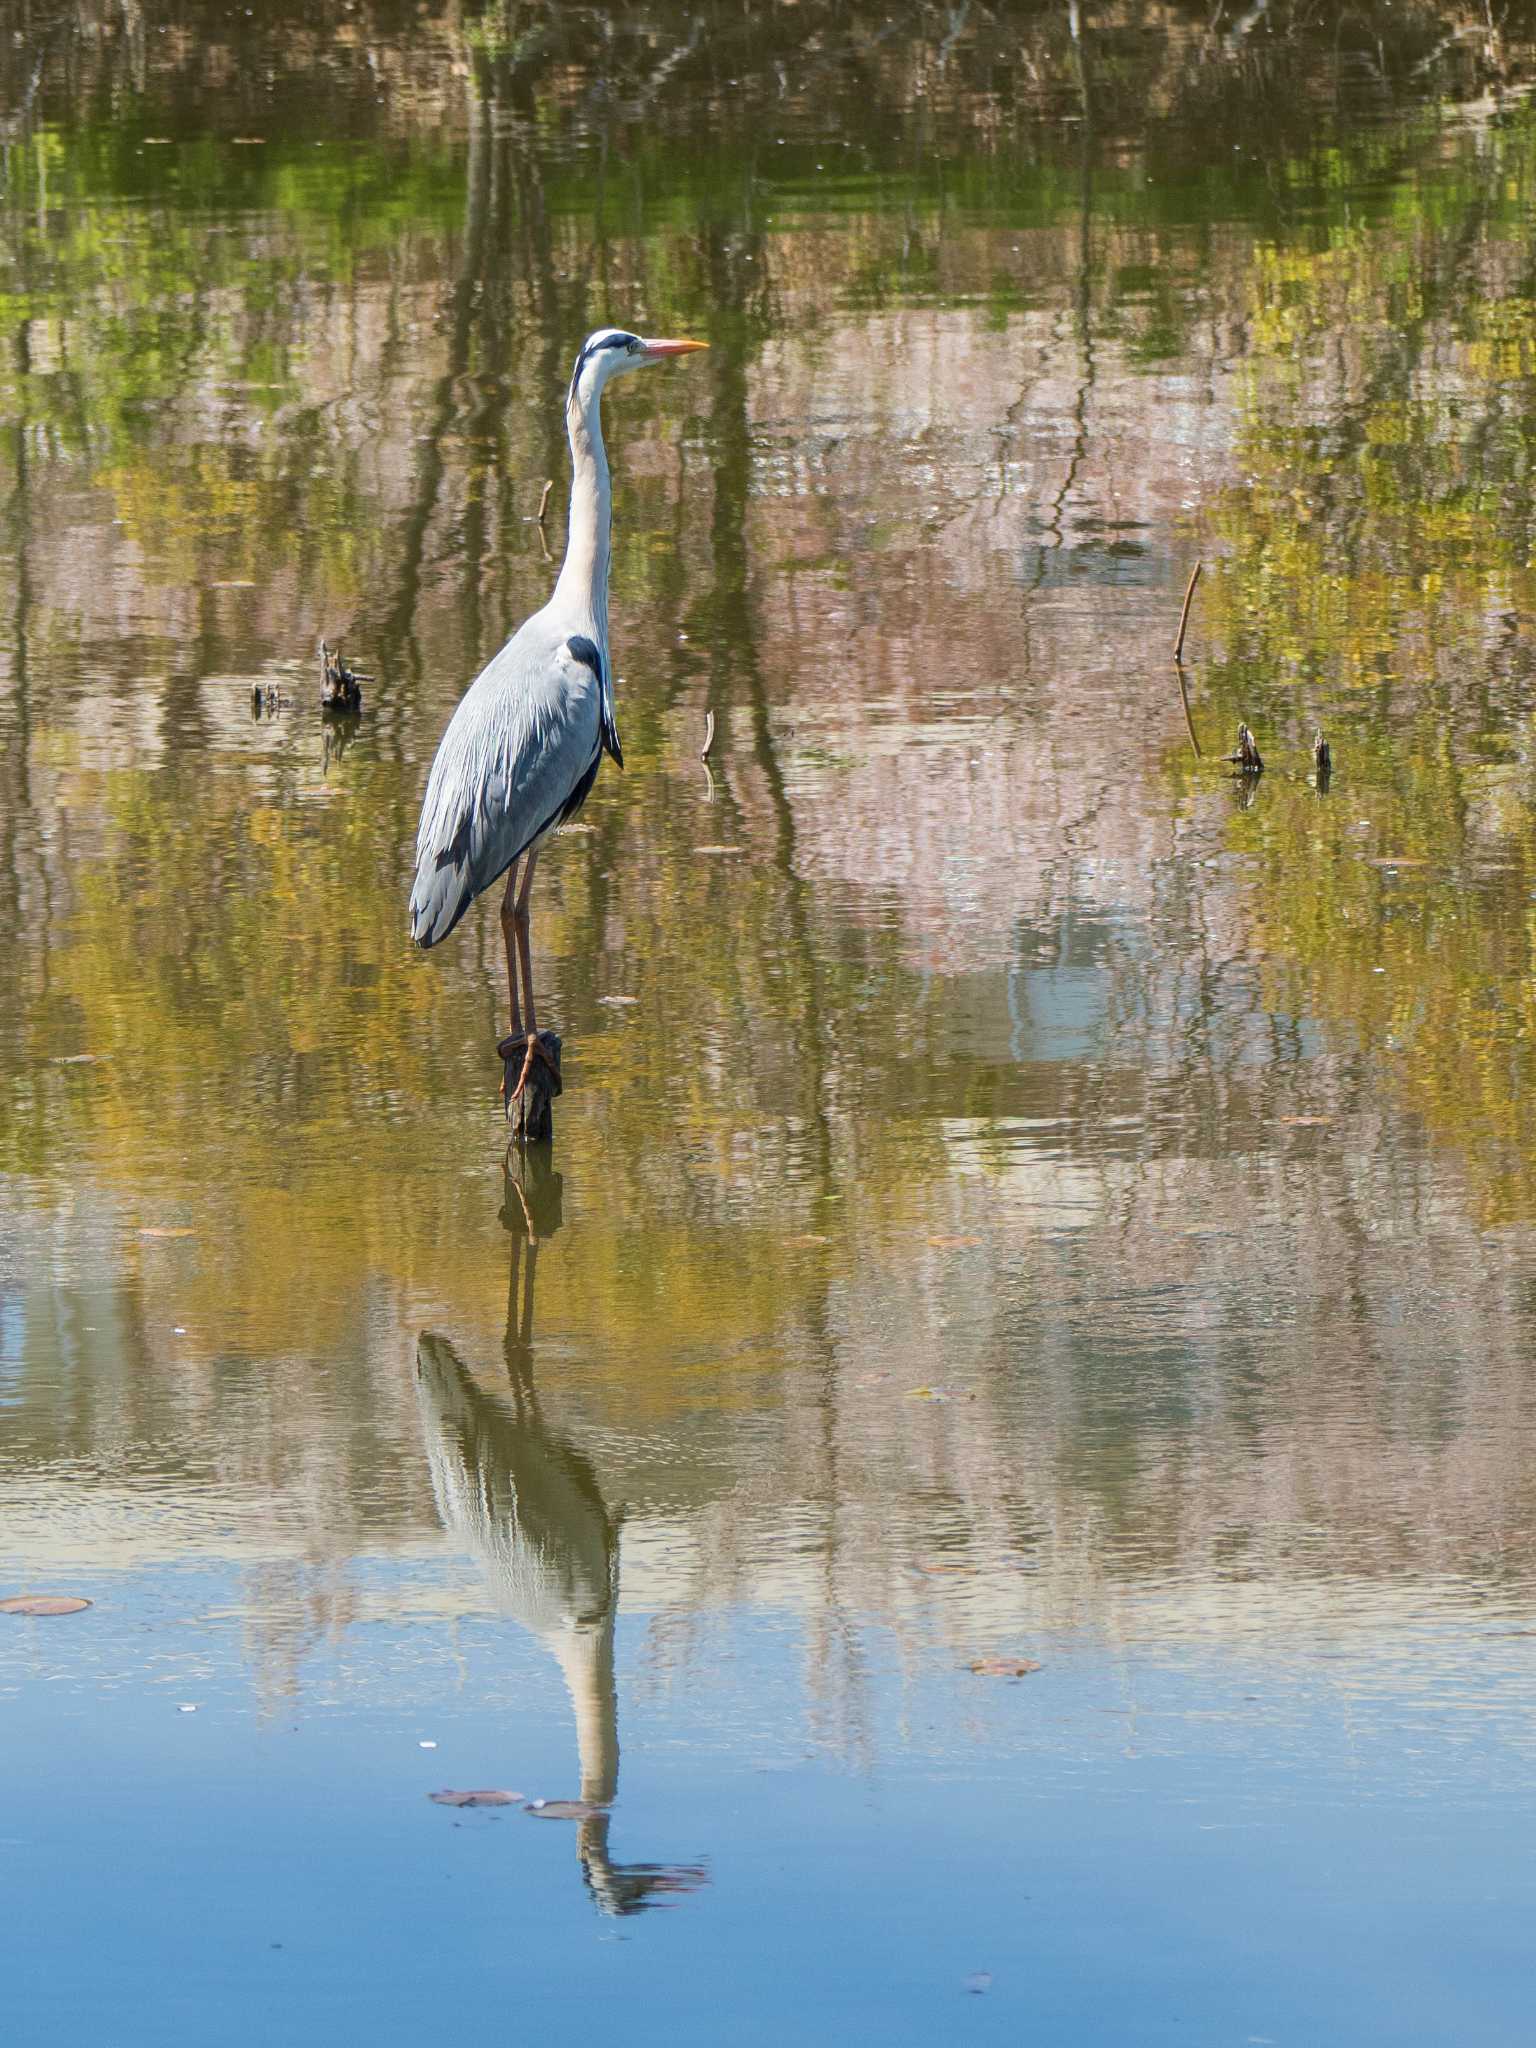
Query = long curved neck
x=583 y=584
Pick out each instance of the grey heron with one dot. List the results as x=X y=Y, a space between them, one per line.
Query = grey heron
x=523 y=746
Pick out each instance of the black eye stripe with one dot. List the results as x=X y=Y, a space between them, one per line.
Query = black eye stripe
x=608 y=341
x=590 y=349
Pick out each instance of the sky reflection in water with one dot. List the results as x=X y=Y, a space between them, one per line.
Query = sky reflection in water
x=1017 y=1192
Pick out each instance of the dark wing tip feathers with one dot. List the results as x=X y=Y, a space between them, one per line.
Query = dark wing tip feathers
x=583 y=650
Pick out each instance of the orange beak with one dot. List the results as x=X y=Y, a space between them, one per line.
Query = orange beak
x=673 y=348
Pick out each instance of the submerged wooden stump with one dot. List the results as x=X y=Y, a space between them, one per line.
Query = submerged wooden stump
x=531 y=1116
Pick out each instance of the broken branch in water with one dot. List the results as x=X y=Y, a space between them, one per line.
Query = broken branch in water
x=1189 y=719
x=1247 y=760
x=1194 y=578
x=549 y=485
x=709 y=735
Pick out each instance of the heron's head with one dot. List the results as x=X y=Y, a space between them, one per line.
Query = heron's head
x=612 y=349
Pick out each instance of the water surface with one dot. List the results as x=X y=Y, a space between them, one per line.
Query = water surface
x=1019 y=1191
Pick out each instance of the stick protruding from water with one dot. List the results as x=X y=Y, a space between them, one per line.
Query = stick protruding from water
x=1194 y=578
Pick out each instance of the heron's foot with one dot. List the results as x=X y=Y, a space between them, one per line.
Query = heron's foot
x=536 y=1050
x=535 y=1045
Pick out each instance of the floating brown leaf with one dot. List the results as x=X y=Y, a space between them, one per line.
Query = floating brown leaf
x=486 y=1796
x=951 y=1244
x=43 y=1603
x=1004 y=1667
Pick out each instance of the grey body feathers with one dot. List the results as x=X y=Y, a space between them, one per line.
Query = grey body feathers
x=520 y=753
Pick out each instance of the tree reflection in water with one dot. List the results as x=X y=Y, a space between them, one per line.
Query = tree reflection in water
x=521 y=1498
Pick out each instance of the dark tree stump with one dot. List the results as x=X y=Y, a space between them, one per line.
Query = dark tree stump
x=341 y=688
x=1247 y=760
x=531 y=1116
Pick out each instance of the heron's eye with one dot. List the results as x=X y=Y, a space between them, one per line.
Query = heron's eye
x=635 y=346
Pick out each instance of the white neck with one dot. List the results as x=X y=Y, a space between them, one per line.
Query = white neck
x=583 y=585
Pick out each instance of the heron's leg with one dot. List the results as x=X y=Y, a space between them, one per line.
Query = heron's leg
x=534 y=1048
x=508 y=934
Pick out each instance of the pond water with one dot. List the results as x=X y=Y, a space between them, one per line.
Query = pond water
x=1021 y=1192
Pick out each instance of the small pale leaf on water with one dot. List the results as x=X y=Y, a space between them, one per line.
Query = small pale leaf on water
x=952 y=1244
x=488 y=1795
x=1004 y=1667
x=978 y=1982
x=808 y=1237
x=717 y=849
x=618 y=1002
x=1305 y=1122
x=565 y=1809
x=925 y=1394
x=150 y=1230
x=43 y=1603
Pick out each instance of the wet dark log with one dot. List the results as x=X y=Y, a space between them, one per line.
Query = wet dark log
x=531 y=1115
x=1247 y=760
x=1322 y=758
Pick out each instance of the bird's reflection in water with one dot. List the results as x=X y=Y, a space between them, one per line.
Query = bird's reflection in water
x=521 y=1498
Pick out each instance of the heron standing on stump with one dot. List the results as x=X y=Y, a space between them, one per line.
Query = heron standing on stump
x=523 y=746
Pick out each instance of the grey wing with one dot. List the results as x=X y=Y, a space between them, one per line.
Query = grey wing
x=519 y=755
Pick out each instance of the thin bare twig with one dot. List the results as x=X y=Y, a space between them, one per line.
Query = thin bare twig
x=1194 y=578
x=709 y=735
x=549 y=485
x=1178 y=670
